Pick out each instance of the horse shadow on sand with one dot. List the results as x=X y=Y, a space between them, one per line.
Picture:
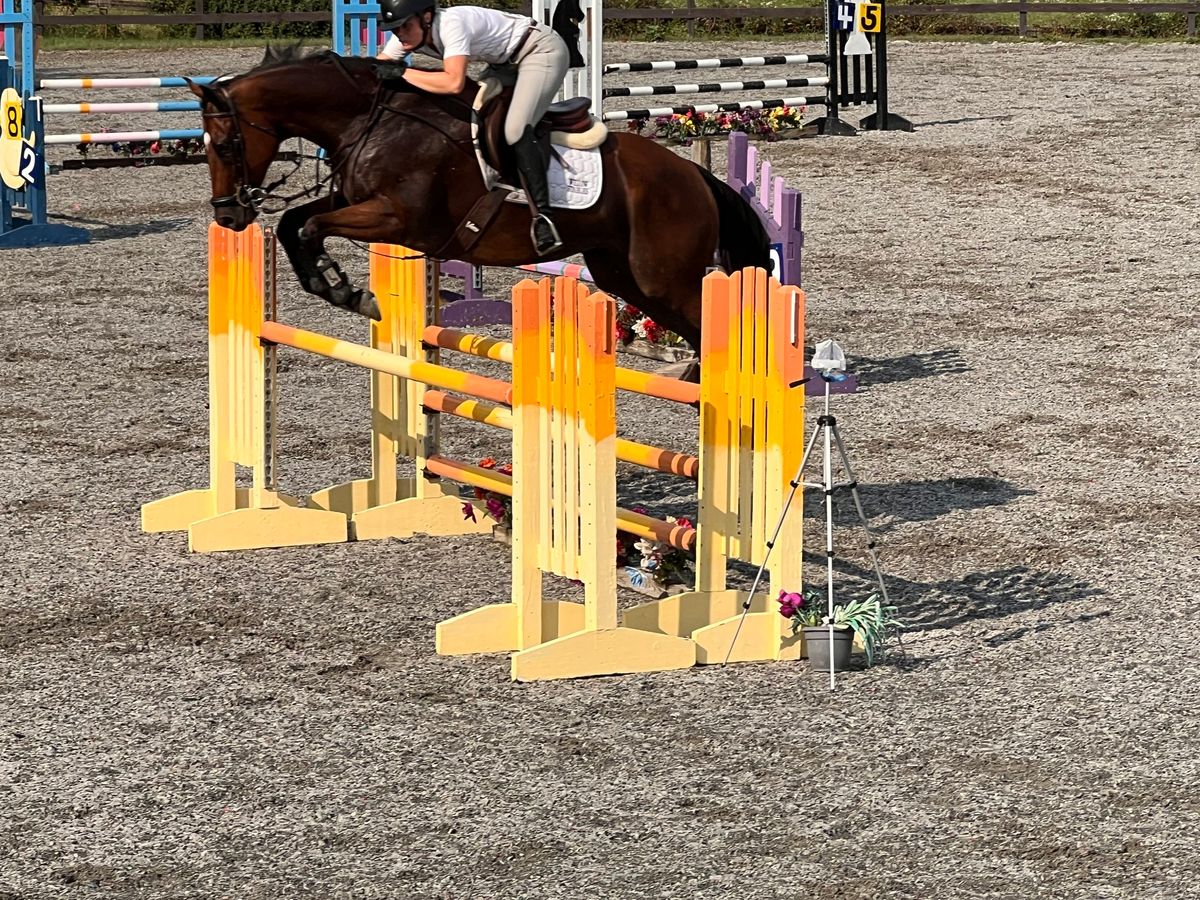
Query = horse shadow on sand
x=921 y=606
x=888 y=506
x=953 y=602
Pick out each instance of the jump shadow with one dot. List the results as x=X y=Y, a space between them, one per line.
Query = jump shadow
x=931 y=364
x=992 y=595
x=964 y=121
x=889 y=505
x=108 y=232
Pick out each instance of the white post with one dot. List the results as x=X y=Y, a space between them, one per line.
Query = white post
x=585 y=82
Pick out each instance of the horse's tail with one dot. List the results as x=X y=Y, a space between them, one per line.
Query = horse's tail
x=743 y=240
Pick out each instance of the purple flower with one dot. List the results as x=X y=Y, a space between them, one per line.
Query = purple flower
x=790 y=603
x=469 y=512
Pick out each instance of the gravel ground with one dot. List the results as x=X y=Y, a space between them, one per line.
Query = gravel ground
x=1016 y=283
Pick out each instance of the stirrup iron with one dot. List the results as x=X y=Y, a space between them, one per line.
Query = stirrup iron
x=543 y=249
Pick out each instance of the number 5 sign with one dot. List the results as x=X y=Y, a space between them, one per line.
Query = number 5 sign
x=17 y=159
x=870 y=16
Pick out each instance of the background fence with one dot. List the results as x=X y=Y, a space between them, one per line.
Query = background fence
x=305 y=18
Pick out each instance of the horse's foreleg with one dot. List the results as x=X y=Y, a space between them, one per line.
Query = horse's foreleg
x=303 y=264
x=373 y=220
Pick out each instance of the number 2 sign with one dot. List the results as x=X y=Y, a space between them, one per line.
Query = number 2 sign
x=18 y=162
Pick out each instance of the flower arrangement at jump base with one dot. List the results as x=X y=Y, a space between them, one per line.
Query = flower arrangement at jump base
x=498 y=506
x=653 y=566
x=683 y=128
x=633 y=325
x=181 y=147
x=868 y=620
x=650 y=566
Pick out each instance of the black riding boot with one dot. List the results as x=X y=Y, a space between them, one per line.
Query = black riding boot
x=532 y=164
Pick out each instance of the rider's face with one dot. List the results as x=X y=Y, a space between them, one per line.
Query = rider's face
x=410 y=33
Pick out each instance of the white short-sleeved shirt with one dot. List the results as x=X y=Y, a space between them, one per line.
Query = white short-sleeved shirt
x=484 y=35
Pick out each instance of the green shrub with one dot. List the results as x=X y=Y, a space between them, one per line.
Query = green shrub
x=287 y=31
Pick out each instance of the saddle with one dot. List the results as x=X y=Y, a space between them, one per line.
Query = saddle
x=565 y=124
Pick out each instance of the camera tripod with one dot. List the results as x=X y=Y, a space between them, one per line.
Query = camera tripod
x=827 y=428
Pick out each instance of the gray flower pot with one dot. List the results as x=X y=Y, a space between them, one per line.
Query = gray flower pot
x=816 y=642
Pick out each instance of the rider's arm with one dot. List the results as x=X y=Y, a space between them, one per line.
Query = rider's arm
x=392 y=49
x=450 y=80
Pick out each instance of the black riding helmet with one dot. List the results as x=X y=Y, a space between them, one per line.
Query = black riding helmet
x=393 y=12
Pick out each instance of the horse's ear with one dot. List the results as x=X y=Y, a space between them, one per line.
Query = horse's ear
x=207 y=94
x=270 y=55
x=200 y=90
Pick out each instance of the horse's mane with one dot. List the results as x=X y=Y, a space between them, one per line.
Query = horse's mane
x=287 y=54
x=278 y=56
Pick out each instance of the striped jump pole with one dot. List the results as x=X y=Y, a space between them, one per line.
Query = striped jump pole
x=728 y=62
x=732 y=106
x=716 y=87
x=117 y=137
x=88 y=84
x=89 y=108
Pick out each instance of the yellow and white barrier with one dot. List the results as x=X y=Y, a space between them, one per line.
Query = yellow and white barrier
x=565 y=452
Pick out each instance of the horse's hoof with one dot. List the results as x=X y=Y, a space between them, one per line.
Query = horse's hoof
x=367 y=305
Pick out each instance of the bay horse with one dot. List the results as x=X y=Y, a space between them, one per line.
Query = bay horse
x=405 y=172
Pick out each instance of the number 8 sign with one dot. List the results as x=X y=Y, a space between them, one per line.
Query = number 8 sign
x=16 y=157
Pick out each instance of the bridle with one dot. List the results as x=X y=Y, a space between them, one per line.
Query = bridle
x=245 y=195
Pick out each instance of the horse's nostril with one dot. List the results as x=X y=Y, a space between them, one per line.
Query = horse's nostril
x=225 y=221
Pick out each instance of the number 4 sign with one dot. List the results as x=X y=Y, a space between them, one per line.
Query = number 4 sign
x=844 y=15
x=18 y=162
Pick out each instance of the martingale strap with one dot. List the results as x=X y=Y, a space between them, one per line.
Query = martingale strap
x=476 y=222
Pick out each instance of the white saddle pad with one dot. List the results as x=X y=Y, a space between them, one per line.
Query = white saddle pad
x=575 y=181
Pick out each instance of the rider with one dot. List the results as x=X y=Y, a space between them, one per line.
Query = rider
x=516 y=48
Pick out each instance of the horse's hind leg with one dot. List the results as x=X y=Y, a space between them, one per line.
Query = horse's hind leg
x=612 y=275
x=305 y=246
x=663 y=298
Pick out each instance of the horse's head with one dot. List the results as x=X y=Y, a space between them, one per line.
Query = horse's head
x=241 y=143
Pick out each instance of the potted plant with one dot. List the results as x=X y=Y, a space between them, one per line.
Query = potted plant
x=868 y=620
